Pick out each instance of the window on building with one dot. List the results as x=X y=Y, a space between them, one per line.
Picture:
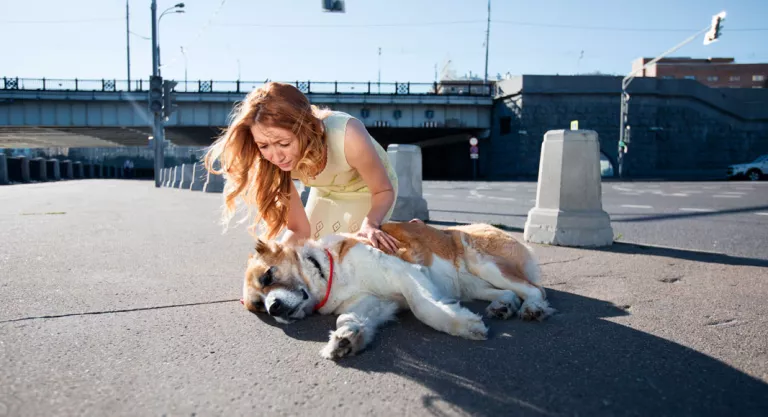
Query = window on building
x=505 y=125
x=713 y=78
x=735 y=78
x=690 y=77
x=758 y=78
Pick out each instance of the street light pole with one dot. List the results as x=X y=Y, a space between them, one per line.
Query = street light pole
x=487 y=38
x=713 y=34
x=128 y=42
x=158 y=133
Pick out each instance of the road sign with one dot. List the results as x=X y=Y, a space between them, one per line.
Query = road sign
x=574 y=125
x=473 y=141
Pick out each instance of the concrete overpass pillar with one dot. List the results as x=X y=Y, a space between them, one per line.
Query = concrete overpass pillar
x=410 y=204
x=569 y=208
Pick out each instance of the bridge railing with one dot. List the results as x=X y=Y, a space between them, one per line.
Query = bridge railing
x=457 y=88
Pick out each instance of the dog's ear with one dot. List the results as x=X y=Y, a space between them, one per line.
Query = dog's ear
x=261 y=247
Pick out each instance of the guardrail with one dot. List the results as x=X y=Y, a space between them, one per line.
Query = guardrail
x=450 y=88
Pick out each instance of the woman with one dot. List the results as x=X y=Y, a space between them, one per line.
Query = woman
x=277 y=136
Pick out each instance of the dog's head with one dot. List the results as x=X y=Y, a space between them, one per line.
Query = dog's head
x=274 y=283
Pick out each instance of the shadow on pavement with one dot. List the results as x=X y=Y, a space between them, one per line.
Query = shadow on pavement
x=639 y=249
x=575 y=363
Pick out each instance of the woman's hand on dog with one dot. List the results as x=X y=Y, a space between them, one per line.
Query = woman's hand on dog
x=379 y=238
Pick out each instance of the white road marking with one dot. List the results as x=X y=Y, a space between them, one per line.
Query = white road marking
x=426 y=195
x=734 y=192
x=475 y=194
x=762 y=214
x=636 y=206
x=699 y=210
x=726 y=196
x=501 y=198
x=625 y=193
x=677 y=195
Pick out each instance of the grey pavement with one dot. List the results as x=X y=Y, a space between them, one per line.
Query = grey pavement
x=121 y=299
x=723 y=217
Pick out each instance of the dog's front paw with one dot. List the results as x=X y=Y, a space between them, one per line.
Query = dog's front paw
x=474 y=329
x=345 y=341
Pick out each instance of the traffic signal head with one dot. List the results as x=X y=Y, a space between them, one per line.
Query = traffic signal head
x=155 y=94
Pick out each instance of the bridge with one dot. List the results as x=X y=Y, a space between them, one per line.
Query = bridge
x=96 y=113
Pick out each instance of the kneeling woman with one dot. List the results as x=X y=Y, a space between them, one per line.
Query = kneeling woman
x=277 y=136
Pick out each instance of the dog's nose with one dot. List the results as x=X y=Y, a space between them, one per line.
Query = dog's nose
x=276 y=308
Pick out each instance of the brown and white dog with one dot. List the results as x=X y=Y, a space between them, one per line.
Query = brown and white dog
x=433 y=270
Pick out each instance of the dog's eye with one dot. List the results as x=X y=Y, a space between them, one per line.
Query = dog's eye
x=266 y=279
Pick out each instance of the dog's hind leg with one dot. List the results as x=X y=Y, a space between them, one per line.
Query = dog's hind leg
x=504 y=303
x=505 y=275
x=356 y=328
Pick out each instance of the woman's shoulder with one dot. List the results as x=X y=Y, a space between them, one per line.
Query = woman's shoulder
x=337 y=120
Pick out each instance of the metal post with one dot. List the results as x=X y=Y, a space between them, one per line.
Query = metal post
x=128 y=43
x=487 y=38
x=624 y=103
x=157 y=127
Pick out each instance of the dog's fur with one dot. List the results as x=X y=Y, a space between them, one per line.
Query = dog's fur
x=434 y=269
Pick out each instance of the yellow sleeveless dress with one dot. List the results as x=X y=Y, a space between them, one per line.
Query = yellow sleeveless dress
x=339 y=199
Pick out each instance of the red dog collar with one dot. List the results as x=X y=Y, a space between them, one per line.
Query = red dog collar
x=330 y=282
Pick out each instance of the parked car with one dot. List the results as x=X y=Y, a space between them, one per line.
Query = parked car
x=752 y=171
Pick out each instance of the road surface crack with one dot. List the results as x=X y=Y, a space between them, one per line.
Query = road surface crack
x=128 y=310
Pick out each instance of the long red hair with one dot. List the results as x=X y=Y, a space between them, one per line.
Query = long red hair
x=251 y=177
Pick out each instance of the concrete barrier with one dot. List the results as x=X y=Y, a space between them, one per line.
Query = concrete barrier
x=54 y=169
x=18 y=169
x=4 y=170
x=38 y=170
x=66 y=169
x=199 y=177
x=569 y=208
x=186 y=176
x=88 y=171
x=214 y=184
x=167 y=177
x=177 y=173
x=410 y=204
x=78 y=170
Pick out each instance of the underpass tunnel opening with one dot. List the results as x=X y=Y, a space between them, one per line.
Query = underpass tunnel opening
x=445 y=153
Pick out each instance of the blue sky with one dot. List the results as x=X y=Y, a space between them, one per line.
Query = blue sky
x=295 y=39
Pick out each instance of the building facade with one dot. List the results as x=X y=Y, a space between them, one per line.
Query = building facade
x=712 y=72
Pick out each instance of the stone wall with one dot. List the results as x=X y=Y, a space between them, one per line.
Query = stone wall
x=680 y=128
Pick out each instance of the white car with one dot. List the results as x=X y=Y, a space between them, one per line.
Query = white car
x=753 y=171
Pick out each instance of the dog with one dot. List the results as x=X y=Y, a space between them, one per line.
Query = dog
x=431 y=273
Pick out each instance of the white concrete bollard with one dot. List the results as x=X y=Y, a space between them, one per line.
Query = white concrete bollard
x=569 y=208
x=4 y=170
x=177 y=172
x=410 y=204
x=54 y=169
x=186 y=176
x=199 y=177
x=214 y=184
x=66 y=169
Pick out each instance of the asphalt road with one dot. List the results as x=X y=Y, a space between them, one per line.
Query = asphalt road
x=724 y=217
x=120 y=299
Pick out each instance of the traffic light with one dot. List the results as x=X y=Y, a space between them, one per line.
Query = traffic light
x=715 y=30
x=336 y=6
x=169 y=98
x=156 y=94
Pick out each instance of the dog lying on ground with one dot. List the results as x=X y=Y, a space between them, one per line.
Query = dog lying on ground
x=433 y=270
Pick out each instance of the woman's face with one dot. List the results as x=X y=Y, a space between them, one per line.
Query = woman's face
x=278 y=146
